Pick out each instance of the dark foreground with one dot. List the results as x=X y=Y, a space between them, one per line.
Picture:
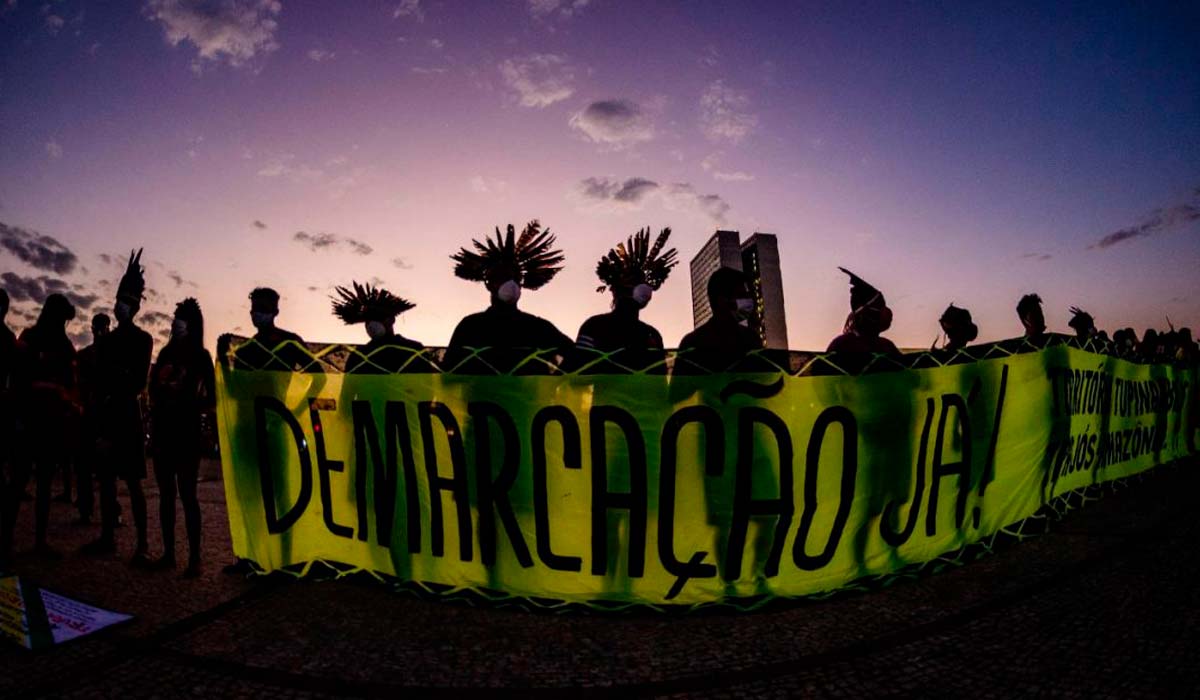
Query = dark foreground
x=1106 y=605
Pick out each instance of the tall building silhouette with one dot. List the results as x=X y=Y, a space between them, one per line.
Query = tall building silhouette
x=758 y=258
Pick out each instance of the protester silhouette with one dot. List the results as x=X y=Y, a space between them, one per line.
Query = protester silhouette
x=507 y=265
x=275 y=348
x=725 y=339
x=1082 y=323
x=182 y=389
x=632 y=272
x=45 y=389
x=1029 y=311
x=123 y=362
x=377 y=309
x=87 y=373
x=869 y=317
x=959 y=329
x=8 y=418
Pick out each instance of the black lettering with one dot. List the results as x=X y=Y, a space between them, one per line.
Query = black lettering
x=962 y=468
x=262 y=405
x=893 y=538
x=456 y=484
x=604 y=500
x=326 y=465
x=572 y=459
x=493 y=494
x=831 y=415
x=714 y=465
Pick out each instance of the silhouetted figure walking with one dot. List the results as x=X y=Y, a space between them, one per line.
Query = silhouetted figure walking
x=45 y=393
x=377 y=309
x=87 y=370
x=726 y=338
x=182 y=389
x=959 y=329
x=632 y=272
x=1029 y=310
x=505 y=266
x=123 y=363
x=869 y=317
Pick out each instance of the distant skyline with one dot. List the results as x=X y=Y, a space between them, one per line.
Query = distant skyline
x=960 y=153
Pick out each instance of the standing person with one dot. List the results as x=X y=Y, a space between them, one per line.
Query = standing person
x=123 y=365
x=869 y=317
x=182 y=389
x=377 y=309
x=1082 y=323
x=87 y=374
x=8 y=351
x=632 y=272
x=959 y=329
x=726 y=337
x=1029 y=310
x=505 y=266
x=46 y=392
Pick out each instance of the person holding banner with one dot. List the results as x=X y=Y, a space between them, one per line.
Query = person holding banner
x=1029 y=310
x=632 y=272
x=123 y=362
x=869 y=317
x=507 y=265
x=959 y=329
x=725 y=339
x=377 y=309
x=1082 y=323
x=182 y=389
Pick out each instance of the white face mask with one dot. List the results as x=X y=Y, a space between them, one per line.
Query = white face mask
x=123 y=312
x=179 y=328
x=509 y=292
x=376 y=330
x=642 y=294
x=262 y=319
x=745 y=307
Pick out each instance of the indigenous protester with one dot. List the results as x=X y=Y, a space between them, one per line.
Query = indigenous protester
x=1029 y=310
x=88 y=377
x=377 y=309
x=181 y=391
x=45 y=389
x=632 y=272
x=959 y=329
x=507 y=265
x=123 y=365
x=275 y=348
x=869 y=317
x=726 y=338
x=1082 y=323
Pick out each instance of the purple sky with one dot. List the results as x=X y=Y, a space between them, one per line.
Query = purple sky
x=951 y=153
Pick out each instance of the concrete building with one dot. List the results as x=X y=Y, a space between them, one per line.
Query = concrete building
x=758 y=257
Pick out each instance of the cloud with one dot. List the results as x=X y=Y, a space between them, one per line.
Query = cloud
x=37 y=250
x=319 y=55
x=176 y=278
x=419 y=70
x=711 y=164
x=36 y=289
x=724 y=113
x=617 y=123
x=358 y=247
x=54 y=23
x=630 y=192
x=542 y=9
x=1158 y=221
x=409 y=8
x=487 y=185
x=328 y=241
x=155 y=318
x=1036 y=256
x=402 y=263
x=541 y=79
x=436 y=44
x=682 y=195
x=282 y=166
x=258 y=225
x=233 y=31
x=53 y=150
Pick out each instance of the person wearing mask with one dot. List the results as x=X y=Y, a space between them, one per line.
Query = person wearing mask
x=725 y=339
x=182 y=390
x=959 y=328
x=632 y=272
x=123 y=367
x=275 y=348
x=387 y=350
x=87 y=372
x=869 y=317
x=507 y=265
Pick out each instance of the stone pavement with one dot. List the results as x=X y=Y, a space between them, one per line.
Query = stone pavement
x=1106 y=605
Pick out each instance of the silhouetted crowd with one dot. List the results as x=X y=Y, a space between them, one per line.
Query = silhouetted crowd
x=83 y=415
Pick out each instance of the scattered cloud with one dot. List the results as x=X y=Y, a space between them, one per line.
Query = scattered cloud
x=328 y=241
x=1036 y=256
x=487 y=185
x=1158 y=221
x=634 y=192
x=437 y=44
x=544 y=9
x=402 y=263
x=155 y=318
x=683 y=196
x=36 y=289
x=419 y=70
x=710 y=57
x=37 y=250
x=176 y=278
x=711 y=165
x=285 y=166
x=232 y=31
x=54 y=23
x=541 y=79
x=409 y=8
x=319 y=55
x=258 y=225
x=53 y=150
x=616 y=123
x=358 y=247
x=724 y=113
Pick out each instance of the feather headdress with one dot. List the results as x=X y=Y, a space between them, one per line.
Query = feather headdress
x=530 y=257
x=635 y=262
x=1080 y=319
x=133 y=284
x=367 y=303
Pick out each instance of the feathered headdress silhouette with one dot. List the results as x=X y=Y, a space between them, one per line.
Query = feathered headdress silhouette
x=862 y=293
x=367 y=303
x=1080 y=319
x=133 y=283
x=531 y=257
x=634 y=262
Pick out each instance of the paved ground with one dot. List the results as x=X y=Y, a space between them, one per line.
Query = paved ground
x=1106 y=605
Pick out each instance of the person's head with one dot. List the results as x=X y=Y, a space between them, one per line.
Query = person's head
x=503 y=282
x=100 y=326
x=3 y=304
x=511 y=262
x=635 y=269
x=957 y=325
x=729 y=294
x=130 y=290
x=264 y=307
x=374 y=307
x=56 y=311
x=1029 y=310
x=869 y=312
x=1082 y=323
x=188 y=324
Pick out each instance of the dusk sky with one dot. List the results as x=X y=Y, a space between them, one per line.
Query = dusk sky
x=965 y=152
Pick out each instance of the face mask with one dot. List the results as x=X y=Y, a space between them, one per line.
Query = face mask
x=262 y=319
x=509 y=292
x=745 y=306
x=179 y=328
x=642 y=294
x=376 y=330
